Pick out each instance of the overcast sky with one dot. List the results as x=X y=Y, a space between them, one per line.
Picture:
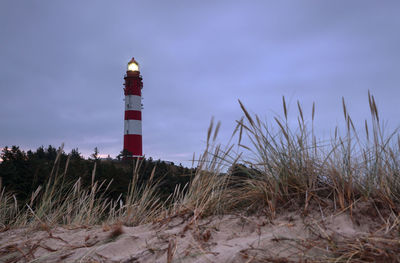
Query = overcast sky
x=62 y=65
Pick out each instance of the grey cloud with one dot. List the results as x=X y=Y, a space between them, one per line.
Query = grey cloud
x=62 y=67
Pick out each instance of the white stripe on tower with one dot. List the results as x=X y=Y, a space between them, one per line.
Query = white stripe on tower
x=133 y=102
x=133 y=127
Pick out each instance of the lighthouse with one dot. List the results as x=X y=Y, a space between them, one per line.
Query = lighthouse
x=133 y=111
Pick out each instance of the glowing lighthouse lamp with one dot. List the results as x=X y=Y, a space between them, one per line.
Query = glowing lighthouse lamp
x=133 y=111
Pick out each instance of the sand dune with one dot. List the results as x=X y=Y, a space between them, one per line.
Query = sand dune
x=230 y=238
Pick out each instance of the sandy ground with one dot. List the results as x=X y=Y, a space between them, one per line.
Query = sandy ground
x=229 y=238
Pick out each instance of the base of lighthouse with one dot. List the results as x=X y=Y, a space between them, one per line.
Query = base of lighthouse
x=133 y=142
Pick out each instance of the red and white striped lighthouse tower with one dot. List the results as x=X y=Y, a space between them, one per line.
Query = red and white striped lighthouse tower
x=133 y=111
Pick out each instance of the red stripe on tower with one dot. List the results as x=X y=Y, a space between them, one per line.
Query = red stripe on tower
x=133 y=111
x=133 y=115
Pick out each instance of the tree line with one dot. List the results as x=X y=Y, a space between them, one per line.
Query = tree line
x=23 y=172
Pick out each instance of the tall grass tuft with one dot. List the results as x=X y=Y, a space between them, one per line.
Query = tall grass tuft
x=8 y=207
x=142 y=203
x=289 y=166
x=66 y=203
x=206 y=193
x=60 y=202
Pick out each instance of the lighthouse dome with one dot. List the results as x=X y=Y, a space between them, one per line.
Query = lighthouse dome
x=133 y=65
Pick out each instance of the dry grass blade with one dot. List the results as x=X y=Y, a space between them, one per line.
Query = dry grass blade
x=172 y=246
x=240 y=124
x=284 y=107
x=216 y=131
x=344 y=109
x=246 y=113
x=300 y=111
x=210 y=128
x=283 y=130
x=313 y=111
